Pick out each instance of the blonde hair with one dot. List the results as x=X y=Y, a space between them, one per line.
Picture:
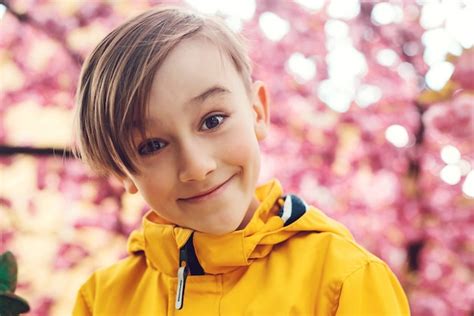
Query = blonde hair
x=116 y=78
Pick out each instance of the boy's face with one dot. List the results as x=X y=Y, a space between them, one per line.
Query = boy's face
x=203 y=132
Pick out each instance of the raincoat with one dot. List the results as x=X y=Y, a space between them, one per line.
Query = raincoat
x=290 y=259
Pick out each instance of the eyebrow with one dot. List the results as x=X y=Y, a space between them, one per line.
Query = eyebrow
x=211 y=92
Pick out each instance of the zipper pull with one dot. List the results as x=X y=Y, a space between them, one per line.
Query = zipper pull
x=182 y=275
x=183 y=272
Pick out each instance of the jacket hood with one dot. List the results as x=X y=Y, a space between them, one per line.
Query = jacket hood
x=277 y=219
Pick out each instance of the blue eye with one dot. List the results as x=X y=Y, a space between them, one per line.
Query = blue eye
x=213 y=121
x=150 y=146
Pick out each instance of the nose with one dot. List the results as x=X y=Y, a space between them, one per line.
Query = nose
x=196 y=162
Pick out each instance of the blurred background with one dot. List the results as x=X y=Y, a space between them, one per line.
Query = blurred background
x=372 y=121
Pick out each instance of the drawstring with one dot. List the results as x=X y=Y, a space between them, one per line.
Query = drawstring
x=292 y=209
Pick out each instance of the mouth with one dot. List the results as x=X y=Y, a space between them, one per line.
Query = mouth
x=208 y=193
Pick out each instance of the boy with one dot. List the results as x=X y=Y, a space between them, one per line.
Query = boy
x=167 y=105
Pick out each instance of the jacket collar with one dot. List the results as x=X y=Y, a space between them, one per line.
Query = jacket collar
x=276 y=219
x=216 y=254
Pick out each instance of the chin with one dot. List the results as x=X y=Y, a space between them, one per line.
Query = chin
x=221 y=229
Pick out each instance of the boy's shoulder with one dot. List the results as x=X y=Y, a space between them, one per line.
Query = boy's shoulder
x=121 y=274
x=331 y=246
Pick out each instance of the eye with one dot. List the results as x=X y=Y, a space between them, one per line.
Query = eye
x=150 y=146
x=213 y=121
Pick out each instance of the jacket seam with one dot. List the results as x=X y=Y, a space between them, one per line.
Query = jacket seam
x=358 y=247
x=86 y=301
x=244 y=254
x=350 y=274
x=221 y=296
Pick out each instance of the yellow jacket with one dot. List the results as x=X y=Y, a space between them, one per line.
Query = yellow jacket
x=290 y=259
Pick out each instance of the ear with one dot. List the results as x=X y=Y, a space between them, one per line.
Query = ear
x=129 y=185
x=261 y=108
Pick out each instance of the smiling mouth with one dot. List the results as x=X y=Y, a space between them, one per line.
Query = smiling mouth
x=208 y=194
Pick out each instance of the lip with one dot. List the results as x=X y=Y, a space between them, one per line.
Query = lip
x=208 y=194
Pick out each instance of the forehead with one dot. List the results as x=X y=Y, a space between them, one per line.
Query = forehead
x=194 y=65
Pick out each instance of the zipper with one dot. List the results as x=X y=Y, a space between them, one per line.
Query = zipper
x=183 y=272
x=188 y=264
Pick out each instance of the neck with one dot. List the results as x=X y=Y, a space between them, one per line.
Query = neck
x=250 y=211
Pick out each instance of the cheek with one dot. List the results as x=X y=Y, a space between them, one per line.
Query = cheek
x=243 y=150
x=155 y=189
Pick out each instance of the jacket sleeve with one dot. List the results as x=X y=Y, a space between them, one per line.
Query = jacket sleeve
x=372 y=289
x=84 y=299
